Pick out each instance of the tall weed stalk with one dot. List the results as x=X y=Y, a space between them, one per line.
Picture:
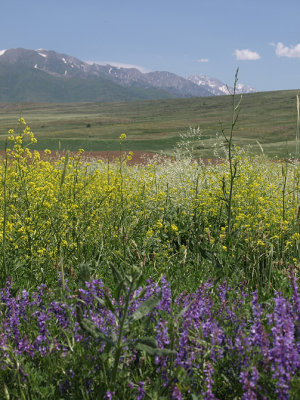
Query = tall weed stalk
x=4 y=266
x=233 y=162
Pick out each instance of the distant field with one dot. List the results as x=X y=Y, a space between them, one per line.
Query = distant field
x=155 y=126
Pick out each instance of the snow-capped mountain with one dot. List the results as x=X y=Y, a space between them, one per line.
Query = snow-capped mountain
x=241 y=88
x=130 y=83
x=48 y=61
x=217 y=87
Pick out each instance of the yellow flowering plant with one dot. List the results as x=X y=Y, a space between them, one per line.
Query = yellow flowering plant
x=88 y=212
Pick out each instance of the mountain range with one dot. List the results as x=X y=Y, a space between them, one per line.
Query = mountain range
x=48 y=76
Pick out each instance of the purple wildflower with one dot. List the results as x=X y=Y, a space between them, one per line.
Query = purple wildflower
x=109 y=395
x=176 y=394
x=141 y=393
x=249 y=384
x=207 y=394
x=284 y=355
x=258 y=335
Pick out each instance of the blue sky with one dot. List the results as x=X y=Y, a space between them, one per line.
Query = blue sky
x=214 y=37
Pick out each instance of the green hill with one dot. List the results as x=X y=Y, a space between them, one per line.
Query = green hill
x=267 y=117
x=25 y=84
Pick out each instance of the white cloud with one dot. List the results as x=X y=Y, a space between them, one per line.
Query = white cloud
x=203 y=60
x=246 y=54
x=119 y=65
x=285 y=51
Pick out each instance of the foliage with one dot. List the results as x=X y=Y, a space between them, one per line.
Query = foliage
x=214 y=343
x=173 y=276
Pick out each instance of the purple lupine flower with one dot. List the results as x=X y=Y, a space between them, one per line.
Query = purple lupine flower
x=222 y=290
x=199 y=329
x=163 y=341
x=5 y=293
x=249 y=385
x=25 y=347
x=39 y=295
x=215 y=334
x=24 y=303
x=176 y=393
x=14 y=320
x=141 y=393
x=242 y=343
x=207 y=394
x=162 y=334
x=130 y=385
x=42 y=339
x=165 y=303
x=93 y=289
x=283 y=353
x=258 y=334
x=101 y=316
x=60 y=312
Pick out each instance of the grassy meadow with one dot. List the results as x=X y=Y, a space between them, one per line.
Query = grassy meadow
x=267 y=117
x=175 y=279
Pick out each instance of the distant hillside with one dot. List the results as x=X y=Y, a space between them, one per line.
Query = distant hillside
x=267 y=119
x=43 y=75
x=24 y=84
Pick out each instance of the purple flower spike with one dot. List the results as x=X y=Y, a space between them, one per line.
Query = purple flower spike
x=249 y=384
x=176 y=394
x=208 y=394
x=142 y=392
x=258 y=335
x=284 y=355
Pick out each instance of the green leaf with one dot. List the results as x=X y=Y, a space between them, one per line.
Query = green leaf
x=106 y=302
x=149 y=341
x=89 y=327
x=139 y=280
x=84 y=273
x=180 y=314
x=154 y=351
x=141 y=294
x=205 y=254
x=118 y=290
x=145 y=308
x=117 y=276
x=63 y=175
x=6 y=393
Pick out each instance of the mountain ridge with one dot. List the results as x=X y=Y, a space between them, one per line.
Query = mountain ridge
x=110 y=83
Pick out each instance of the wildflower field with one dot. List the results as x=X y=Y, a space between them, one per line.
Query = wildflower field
x=169 y=280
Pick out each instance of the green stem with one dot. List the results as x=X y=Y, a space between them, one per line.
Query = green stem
x=232 y=162
x=4 y=273
x=119 y=342
x=62 y=271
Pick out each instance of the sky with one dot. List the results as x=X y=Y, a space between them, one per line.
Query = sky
x=186 y=37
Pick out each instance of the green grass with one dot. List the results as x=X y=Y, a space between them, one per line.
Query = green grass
x=267 y=117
